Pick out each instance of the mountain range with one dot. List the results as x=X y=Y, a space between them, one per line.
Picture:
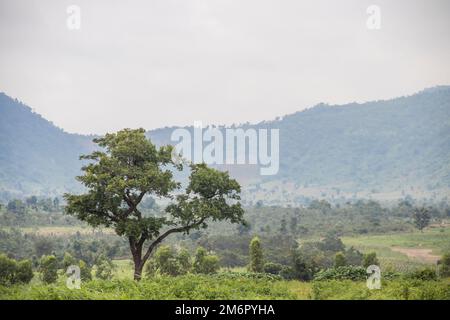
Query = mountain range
x=398 y=146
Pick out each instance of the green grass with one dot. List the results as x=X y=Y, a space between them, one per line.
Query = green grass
x=436 y=239
x=228 y=286
x=390 y=290
x=198 y=287
x=123 y=269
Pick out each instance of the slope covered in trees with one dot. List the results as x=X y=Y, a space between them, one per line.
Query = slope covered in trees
x=36 y=157
x=378 y=145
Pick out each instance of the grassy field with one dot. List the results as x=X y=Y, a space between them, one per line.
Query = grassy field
x=236 y=284
x=402 y=252
x=228 y=286
x=405 y=251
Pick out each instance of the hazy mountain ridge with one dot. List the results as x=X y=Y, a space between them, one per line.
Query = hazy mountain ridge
x=35 y=155
x=406 y=138
x=374 y=145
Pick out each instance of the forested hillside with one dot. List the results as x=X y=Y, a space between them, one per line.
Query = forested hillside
x=36 y=157
x=379 y=145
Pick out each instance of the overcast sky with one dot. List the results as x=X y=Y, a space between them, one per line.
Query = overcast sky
x=155 y=63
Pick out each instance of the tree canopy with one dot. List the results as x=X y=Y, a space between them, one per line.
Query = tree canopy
x=130 y=167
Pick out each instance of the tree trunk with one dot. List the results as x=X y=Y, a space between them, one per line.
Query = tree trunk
x=136 y=247
x=138 y=271
x=136 y=251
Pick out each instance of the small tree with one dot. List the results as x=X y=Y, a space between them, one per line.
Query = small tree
x=104 y=268
x=68 y=260
x=184 y=259
x=302 y=267
x=339 y=260
x=421 y=218
x=205 y=263
x=85 y=271
x=256 y=256
x=370 y=259
x=24 y=271
x=48 y=266
x=131 y=167
x=166 y=261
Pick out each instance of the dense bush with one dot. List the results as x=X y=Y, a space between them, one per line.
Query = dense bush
x=24 y=271
x=68 y=260
x=273 y=268
x=370 y=259
x=342 y=273
x=246 y=275
x=12 y=271
x=167 y=261
x=48 y=266
x=205 y=263
x=340 y=260
x=287 y=273
x=425 y=274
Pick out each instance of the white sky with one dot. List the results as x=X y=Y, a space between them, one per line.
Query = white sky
x=155 y=63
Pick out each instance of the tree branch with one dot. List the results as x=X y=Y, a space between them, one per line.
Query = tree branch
x=167 y=233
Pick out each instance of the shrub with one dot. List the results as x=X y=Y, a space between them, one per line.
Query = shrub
x=104 y=268
x=205 y=263
x=85 y=271
x=287 y=273
x=425 y=274
x=370 y=259
x=273 y=268
x=48 y=266
x=342 y=273
x=68 y=260
x=184 y=259
x=24 y=272
x=353 y=257
x=339 y=260
x=168 y=262
x=12 y=271
x=7 y=268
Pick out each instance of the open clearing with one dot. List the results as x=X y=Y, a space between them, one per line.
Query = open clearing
x=64 y=230
x=423 y=255
x=405 y=251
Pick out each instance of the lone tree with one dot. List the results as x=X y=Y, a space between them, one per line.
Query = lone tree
x=130 y=167
x=421 y=218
